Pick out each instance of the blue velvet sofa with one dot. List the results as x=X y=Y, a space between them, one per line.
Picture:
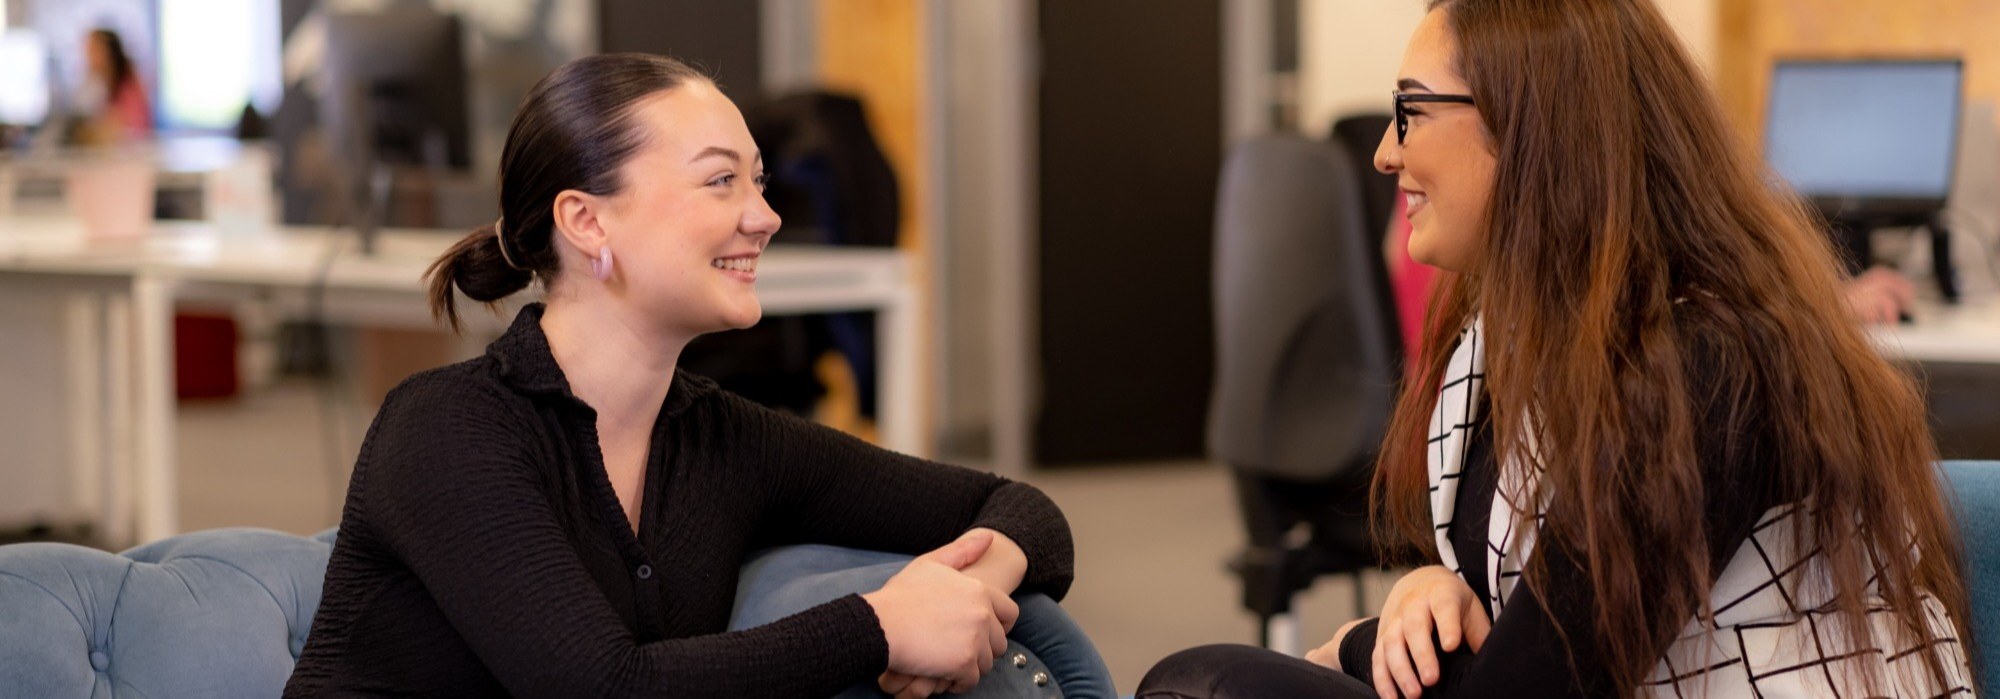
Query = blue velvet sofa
x=224 y=613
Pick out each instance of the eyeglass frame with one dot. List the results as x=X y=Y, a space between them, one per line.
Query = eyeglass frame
x=1403 y=117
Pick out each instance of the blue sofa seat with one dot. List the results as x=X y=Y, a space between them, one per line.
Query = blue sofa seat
x=225 y=613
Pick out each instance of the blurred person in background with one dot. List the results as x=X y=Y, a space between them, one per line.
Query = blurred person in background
x=112 y=105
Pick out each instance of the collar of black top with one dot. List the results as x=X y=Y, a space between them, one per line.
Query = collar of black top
x=526 y=364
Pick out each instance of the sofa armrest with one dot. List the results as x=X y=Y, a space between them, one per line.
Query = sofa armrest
x=1045 y=642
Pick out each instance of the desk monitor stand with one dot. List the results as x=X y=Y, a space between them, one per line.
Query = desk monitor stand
x=1852 y=229
x=381 y=178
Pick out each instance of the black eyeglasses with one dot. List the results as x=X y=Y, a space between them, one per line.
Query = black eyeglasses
x=1403 y=112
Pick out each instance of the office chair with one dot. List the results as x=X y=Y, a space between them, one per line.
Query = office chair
x=1306 y=368
x=832 y=185
x=1361 y=133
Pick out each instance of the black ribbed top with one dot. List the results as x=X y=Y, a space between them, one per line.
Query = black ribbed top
x=483 y=551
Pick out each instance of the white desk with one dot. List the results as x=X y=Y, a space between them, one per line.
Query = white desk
x=233 y=177
x=1965 y=333
x=137 y=283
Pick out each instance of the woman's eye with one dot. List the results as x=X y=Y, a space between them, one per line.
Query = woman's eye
x=763 y=181
x=722 y=181
x=1412 y=112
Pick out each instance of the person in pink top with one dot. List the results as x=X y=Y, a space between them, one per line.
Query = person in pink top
x=114 y=98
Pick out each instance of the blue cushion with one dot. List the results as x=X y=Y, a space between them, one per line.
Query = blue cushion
x=1975 y=496
x=221 y=613
x=786 y=581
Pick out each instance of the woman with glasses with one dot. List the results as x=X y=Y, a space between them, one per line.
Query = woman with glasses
x=1647 y=451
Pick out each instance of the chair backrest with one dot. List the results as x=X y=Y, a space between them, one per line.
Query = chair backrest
x=832 y=183
x=1305 y=337
x=1975 y=498
x=1360 y=134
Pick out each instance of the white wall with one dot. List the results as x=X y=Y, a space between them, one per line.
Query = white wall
x=35 y=451
x=1696 y=22
x=986 y=242
x=1349 y=51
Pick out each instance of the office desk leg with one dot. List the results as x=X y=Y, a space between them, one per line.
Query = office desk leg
x=900 y=373
x=152 y=300
x=84 y=346
x=117 y=363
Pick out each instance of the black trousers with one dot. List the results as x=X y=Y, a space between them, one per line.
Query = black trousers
x=1246 y=672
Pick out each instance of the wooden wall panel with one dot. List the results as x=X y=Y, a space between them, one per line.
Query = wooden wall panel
x=874 y=49
x=1754 y=33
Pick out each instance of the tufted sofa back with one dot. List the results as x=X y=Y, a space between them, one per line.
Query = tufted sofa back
x=220 y=613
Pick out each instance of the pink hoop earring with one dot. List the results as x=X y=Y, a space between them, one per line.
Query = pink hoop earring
x=601 y=267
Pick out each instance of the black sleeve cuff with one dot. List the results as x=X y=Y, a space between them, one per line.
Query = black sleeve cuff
x=1357 y=651
x=844 y=633
x=1034 y=522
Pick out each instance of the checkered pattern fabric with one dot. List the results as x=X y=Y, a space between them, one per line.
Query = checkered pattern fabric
x=1771 y=633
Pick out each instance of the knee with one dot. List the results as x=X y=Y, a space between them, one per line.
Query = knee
x=1195 y=673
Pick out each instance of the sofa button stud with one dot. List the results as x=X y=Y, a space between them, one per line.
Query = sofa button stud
x=99 y=661
x=1041 y=679
x=645 y=571
x=1020 y=660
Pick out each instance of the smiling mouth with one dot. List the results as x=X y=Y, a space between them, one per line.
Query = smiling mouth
x=742 y=267
x=1412 y=201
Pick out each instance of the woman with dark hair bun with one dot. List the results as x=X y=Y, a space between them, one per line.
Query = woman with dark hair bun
x=566 y=515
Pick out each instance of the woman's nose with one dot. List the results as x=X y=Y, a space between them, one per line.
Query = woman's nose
x=1389 y=153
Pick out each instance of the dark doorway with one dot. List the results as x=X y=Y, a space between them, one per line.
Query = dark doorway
x=1131 y=143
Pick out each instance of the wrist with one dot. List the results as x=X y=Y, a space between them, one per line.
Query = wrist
x=880 y=606
x=1004 y=565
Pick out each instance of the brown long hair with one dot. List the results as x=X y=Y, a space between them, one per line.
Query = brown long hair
x=1619 y=188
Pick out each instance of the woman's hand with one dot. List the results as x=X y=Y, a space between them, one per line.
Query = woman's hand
x=901 y=686
x=1329 y=655
x=1002 y=567
x=1429 y=598
x=1880 y=296
x=943 y=627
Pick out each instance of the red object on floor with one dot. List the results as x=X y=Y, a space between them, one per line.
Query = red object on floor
x=204 y=356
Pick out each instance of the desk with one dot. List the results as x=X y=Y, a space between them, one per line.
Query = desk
x=233 y=178
x=1968 y=333
x=136 y=284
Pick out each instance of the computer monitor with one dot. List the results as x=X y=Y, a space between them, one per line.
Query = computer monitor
x=1872 y=143
x=24 y=78
x=396 y=88
x=1866 y=136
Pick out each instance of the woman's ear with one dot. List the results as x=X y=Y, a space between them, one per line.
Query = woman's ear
x=578 y=222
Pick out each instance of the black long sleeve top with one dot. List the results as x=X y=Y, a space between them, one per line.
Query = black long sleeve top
x=483 y=551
